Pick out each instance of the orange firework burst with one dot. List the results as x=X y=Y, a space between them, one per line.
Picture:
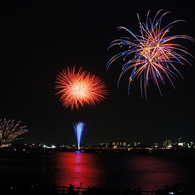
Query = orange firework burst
x=79 y=88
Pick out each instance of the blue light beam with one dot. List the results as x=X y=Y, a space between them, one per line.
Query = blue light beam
x=78 y=128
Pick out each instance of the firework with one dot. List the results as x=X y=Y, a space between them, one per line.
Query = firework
x=9 y=131
x=152 y=55
x=78 y=128
x=79 y=88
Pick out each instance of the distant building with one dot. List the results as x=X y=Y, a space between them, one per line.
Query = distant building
x=180 y=140
x=104 y=144
x=180 y=144
x=136 y=144
x=153 y=144
x=191 y=145
x=119 y=144
x=167 y=144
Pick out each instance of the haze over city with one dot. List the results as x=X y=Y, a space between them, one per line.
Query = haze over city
x=40 y=38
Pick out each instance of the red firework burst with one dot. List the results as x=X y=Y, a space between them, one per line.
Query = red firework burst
x=80 y=88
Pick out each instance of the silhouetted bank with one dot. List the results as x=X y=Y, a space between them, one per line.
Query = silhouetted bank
x=40 y=189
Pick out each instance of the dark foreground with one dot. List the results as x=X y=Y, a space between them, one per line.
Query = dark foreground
x=40 y=189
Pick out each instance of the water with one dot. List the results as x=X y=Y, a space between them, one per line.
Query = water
x=101 y=169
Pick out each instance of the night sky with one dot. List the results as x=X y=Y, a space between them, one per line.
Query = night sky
x=39 y=38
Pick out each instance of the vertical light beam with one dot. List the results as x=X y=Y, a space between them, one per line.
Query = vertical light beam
x=78 y=128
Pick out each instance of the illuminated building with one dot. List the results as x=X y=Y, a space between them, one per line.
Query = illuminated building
x=119 y=144
x=167 y=144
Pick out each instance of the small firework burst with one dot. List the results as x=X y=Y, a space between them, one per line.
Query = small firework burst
x=10 y=131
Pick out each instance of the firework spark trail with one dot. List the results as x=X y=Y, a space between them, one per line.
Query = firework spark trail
x=10 y=131
x=80 y=88
x=155 y=54
x=78 y=128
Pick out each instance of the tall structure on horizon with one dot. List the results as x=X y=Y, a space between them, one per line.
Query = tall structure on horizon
x=167 y=144
x=179 y=140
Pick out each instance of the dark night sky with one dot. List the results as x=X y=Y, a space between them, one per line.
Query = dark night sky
x=39 y=38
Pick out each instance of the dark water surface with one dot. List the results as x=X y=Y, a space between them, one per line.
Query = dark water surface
x=110 y=169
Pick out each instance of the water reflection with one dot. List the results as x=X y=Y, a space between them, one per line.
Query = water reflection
x=118 y=170
x=155 y=172
x=79 y=169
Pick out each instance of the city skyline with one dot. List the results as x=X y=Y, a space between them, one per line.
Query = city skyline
x=40 y=38
x=163 y=144
x=79 y=142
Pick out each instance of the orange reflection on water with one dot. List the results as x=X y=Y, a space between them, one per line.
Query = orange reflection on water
x=78 y=169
